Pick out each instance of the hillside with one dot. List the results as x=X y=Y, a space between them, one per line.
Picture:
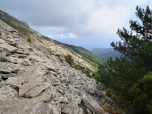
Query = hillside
x=35 y=80
x=87 y=55
x=106 y=52
x=52 y=46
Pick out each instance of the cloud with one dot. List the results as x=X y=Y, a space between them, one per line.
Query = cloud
x=83 y=17
x=61 y=36
x=71 y=35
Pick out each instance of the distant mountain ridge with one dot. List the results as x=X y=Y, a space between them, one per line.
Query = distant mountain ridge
x=106 y=52
x=88 y=56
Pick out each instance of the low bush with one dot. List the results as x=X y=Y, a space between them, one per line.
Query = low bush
x=69 y=59
x=111 y=111
x=29 y=40
x=30 y=49
x=87 y=71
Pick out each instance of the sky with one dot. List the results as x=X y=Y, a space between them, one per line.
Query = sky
x=85 y=23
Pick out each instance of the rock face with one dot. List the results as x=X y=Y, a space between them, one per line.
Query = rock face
x=34 y=82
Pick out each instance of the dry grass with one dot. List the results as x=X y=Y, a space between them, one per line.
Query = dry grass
x=112 y=94
x=119 y=99
x=44 y=47
x=107 y=109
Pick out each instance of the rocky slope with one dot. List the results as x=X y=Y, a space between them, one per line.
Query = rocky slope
x=34 y=82
x=54 y=47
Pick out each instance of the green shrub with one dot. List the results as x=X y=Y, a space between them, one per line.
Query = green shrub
x=87 y=71
x=30 y=49
x=47 y=56
x=142 y=91
x=69 y=59
x=29 y=39
x=61 y=60
x=79 y=67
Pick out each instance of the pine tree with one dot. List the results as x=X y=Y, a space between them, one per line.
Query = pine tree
x=134 y=47
x=136 y=50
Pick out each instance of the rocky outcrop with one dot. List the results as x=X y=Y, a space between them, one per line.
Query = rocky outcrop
x=32 y=81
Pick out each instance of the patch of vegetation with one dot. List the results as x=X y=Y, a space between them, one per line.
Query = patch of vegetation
x=47 y=56
x=87 y=71
x=69 y=59
x=61 y=60
x=111 y=111
x=29 y=40
x=44 y=47
x=39 y=40
x=59 y=55
x=38 y=49
x=92 y=63
x=30 y=49
x=142 y=94
x=117 y=98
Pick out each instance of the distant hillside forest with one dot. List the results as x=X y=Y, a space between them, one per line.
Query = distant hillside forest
x=106 y=53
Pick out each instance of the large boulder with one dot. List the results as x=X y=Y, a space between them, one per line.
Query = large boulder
x=37 y=90
x=89 y=102
x=44 y=97
x=29 y=85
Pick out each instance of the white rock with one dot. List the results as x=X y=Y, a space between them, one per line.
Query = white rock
x=8 y=47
